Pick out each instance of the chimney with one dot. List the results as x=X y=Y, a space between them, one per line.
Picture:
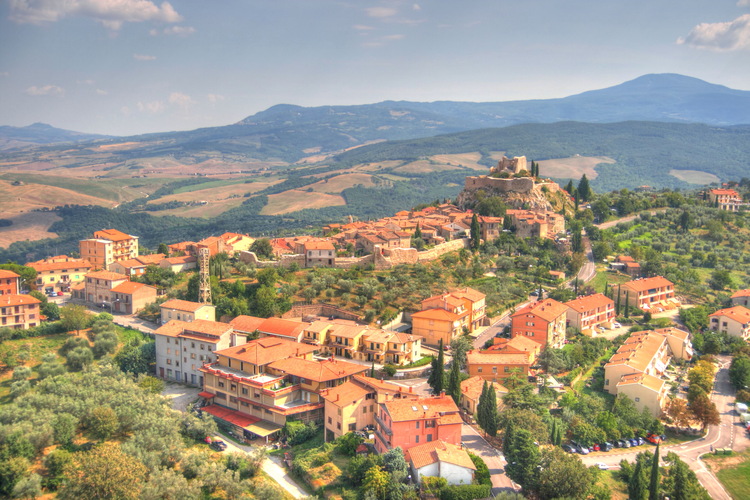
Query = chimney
x=411 y=389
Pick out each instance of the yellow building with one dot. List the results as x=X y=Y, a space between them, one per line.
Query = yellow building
x=646 y=391
x=185 y=310
x=392 y=348
x=59 y=273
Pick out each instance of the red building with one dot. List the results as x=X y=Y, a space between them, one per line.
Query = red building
x=8 y=282
x=410 y=422
x=543 y=321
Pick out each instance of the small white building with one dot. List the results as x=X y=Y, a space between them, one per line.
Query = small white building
x=441 y=459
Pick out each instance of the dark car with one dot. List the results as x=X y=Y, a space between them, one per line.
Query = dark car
x=625 y=444
x=605 y=446
x=634 y=442
x=568 y=448
x=640 y=441
x=218 y=445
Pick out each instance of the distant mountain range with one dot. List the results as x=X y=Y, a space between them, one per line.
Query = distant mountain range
x=289 y=133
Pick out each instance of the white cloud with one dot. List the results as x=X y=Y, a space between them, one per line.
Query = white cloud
x=182 y=101
x=144 y=57
x=151 y=107
x=393 y=37
x=125 y=110
x=743 y=3
x=416 y=7
x=111 y=13
x=362 y=27
x=45 y=90
x=731 y=35
x=214 y=98
x=381 y=11
x=101 y=92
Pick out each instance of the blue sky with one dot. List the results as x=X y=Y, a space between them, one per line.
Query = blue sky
x=134 y=66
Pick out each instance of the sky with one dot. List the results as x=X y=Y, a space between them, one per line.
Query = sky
x=125 y=67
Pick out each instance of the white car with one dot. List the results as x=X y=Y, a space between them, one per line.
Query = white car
x=616 y=325
x=602 y=466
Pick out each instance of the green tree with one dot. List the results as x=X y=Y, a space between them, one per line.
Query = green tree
x=638 y=484
x=265 y=302
x=523 y=457
x=459 y=347
x=163 y=248
x=437 y=375
x=104 y=472
x=739 y=372
x=262 y=248
x=584 y=190
x=79 y=358
x=376 y=482
x=102 y=422
x=491 y=421
x=653 y=485
x=64 y=427
x=475 y=232
x=74 y=317
x=454 y=383
x=395 y=463
x=704 y=410
x=481 y=413
x=562 y=475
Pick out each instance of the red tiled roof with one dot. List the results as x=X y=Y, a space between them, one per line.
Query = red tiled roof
x=232 y=416
x=647 y=284
x=183 y=305
x=345 y=394
x=319 y=371
x=740 y=314
x=246 y=324
x=644 y=379
x=177 y=328
x=181 y=260
x=261 y=352
x=17 y=300
x=107 y=275
x=402 y=410
x=282 y=327
x=439 y=451
x=547 y=309
x=589 y=302
x=741 y=293
x=58 y=265
x=4 y=273
x=498 y=358
x=112 y=235
x=130 y=287
x=472 y=387
x=319 y=245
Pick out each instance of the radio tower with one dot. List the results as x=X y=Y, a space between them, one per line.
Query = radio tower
x=204 y=286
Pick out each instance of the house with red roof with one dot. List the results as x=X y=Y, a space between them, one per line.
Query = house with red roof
x=733 y=321
x=471 y=389
x=319 y=254
x=130 y=297
x=185 y=310
x=136 y=266
x=59 y=272
x=588 y=312
x=543 y=321
x=741 y=298
x=725 y=199
x=441 y=459
x=9 y=282
x=19 y=311
x=407 y=423
x=649 y=294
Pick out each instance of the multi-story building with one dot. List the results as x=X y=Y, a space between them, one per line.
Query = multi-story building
x=589 y=312
x=497 y=365
x=725 y=199
x=471 y=390
x=391 y=348
x=733 y=321
x=467 y=303
x=646 y=391
x=97 y=287
x=352 y=405
x=345 y=340
x=108 y=246
x=435 y=325
x=183 y=348
x=649 y=294
x=19 y=311
x=645 y=353
x=543 y=321
x=490 y=227
x=406 y=423
x=319 y=254
x=130 y=297
x=277 y=327
x=184 y=310
x=9 y=282
x=59 y=273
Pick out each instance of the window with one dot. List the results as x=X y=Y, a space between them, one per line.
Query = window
x=232 y=399
x=256 y=395
x=364 y=409
x=244 y=391
x=429 y=437
x=429 y=423
x=417 y=424
x=233 y=387
x=339 y=412
x=479 y=370
x=192 y=344
x=352 y=427
x=221 y=384
x=494 y=369
x=169 y=361
x=192 y=355
x=330 y=420
x=267 y=411
x=203 y=347
x=416 y=440
x=169 y=351
x=221 y=395
x=257 y=408
x=338 y=425
x=243 y=403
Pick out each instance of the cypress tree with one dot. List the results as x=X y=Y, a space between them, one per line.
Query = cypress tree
x=491 y=428
x=617 y=304
x=653 y=487
x=482 y=407
x=454 y=382
x=437 y=375
x=627 y=304
x=637 y=484
x=418 y=232
x=569 y=187
x=475 y=232
x=584 y=190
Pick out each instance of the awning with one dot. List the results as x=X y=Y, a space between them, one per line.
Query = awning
x=206 y=395
x=234 y=417
x=263 y=428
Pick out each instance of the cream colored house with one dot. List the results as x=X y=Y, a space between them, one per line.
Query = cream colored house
x=646 y=391
x=184 y=310
x=589 y=312
x=733 y=321
x=441 y=459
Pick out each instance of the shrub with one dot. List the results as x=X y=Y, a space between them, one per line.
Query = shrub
x=299 y=432
x=389 y=370
x=482 y=474
x=465 y=492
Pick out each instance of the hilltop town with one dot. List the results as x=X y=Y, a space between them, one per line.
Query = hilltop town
x=449 y=350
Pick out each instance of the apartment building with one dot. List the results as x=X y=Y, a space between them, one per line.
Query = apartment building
x=9 y=282
x=589 y=312
x=496 y=365
x=130 y=297
x=392 y=348
x=471 y=390
x=59 y=273
x=649 y=294
x=733 y=321
x=345 y=340
x=467 y=303
x=352 y=405
x=645 y=353
x=435 y=325
x=183 y=348
x=543 y=321
x=19 y=311
x=184 y=310
x=646 y=391
x=108 y=246
x=741 y=298
x=97 y=287
x=407 y=423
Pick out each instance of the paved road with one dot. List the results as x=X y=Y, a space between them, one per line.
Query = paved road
x=492 y=457
x=588 y=270
x=728 y=434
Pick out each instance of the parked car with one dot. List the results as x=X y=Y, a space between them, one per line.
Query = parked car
x=602 y=466
x=656 y=438
x=624 y=443
x=596 y=447
x=583 y=450
x=568 y=448
x=616 y=325
x=633 y=442
x=640 y=441
x=606 y=446
x=218 y=445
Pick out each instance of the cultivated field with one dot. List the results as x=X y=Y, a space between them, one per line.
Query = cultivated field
x=694 y=176
x=340 y=182
x=32 y=195
x=29 y=226
x=295 y=199
x=468 y=160
x=424 y=167
x=572 y=168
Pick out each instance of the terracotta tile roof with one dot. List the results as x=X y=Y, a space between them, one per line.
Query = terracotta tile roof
x=282 y=327
x=469 y=293
x=547 y=309
x=472 y=387
x=436 y=314
x=246 y=324
x=674 y=332
x=519 y=343
x=266 y=350
x=625 y=258
x=319 y=371
x=17 y=300
x=498 y=358
x=5 y=274
x=319 y=245
x=383 y=336
x=318 y=326
x=439 y=451
x=181 y=260
x=654 y=383
x=54 y=264
x=112 y=235
x=638 y=350
x=741 y=293
x=724 y=192
x=130 y=287
x=740 y=314
x=130 y=263
x=379 y=385
x=590 y=302
x=183 y=305
x=437 y=407
x=107 y=275
x=644 y=284
x=345 y=394
x=348 y=331
x=154 y=258
x=177 y=328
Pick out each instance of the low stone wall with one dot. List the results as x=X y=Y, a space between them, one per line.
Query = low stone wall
x=286 y=260
x=443 y=248
x=519 y=185
x=300 y=309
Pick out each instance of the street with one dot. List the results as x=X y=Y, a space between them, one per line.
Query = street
x=476 y=444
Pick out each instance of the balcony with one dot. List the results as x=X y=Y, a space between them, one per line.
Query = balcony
x=381 y=426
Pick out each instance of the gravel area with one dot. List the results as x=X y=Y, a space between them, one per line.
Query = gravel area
x=181 y=395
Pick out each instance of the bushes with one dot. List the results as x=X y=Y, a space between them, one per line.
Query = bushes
x=464 y=492
x=482 y=474
x=299 y=432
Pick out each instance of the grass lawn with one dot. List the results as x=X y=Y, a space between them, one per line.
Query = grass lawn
x=127 y=334
x=606 y=277
x=616 y=485
x=733 y=472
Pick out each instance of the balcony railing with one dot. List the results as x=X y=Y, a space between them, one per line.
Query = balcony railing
x=383 y=426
